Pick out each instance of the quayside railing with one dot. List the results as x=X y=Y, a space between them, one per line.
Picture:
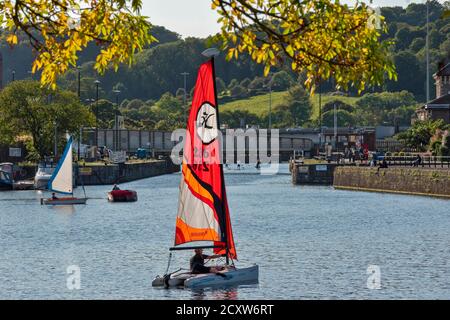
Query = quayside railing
x=414 y=161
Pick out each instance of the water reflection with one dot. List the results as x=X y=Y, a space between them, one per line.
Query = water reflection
x=65 y=210
x=230 y=293
x=222 y=293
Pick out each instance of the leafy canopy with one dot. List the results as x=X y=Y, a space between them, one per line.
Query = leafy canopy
x=30 y=112
x=322 y=37
x=59 y=30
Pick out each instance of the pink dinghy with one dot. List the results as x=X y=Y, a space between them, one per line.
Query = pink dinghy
x=122 y=196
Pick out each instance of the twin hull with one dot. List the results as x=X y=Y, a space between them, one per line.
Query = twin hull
x=232 y=277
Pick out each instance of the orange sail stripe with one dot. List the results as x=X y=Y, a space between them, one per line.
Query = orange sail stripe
x=185 y=233
x=194 y=185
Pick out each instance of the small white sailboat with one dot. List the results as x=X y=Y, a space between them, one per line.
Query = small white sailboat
x=203 y=213
x=62 y=180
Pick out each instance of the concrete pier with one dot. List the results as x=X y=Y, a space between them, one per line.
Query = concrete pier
x=111 y=174
x=315 y=174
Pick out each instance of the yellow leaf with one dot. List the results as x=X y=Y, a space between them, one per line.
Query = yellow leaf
x=12 y=39
x=266 y=70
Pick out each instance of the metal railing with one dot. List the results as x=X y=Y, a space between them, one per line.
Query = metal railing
x=413 y=161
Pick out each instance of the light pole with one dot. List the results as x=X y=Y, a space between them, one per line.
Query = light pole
x=269 y=85
x=185 y=74
x=428 y=55
x=96 y=112
x=55 y=150
x=79 y=82
x=320 y=117
x=116 y=121
x=90 y=102
x=270 y=105
x=335 y=125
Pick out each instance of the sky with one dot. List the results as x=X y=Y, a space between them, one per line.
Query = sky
x=195 y=17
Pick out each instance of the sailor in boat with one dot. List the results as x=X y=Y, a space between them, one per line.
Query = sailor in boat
x=54 y=197
x=115 y=187
x=197 y=263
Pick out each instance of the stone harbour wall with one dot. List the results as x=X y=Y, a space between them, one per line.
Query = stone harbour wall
x=404 y=180
x=111 y=174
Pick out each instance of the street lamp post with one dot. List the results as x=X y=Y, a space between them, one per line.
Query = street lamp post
x=320 y=117
x=335 y=125
x=116 y=121
x=270 y=105
x=96 y=112
x=269 y=85
x=79 y=82
x=185 y=74
x=90 y=102
x=428 y=54
x=55 y=150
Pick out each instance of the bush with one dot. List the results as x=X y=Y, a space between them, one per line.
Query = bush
x=238 y=91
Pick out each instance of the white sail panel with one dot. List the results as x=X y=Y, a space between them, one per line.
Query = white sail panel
x=62 y=179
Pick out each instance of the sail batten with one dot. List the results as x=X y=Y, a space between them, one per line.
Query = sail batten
x=203 y=213
x=62 y=178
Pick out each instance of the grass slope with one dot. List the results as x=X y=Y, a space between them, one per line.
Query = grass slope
x=259 y=105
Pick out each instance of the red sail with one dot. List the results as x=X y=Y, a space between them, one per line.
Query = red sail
x=203 y=213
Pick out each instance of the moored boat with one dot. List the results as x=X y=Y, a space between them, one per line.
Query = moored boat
x=43 y=176
x=6 y=181
x=6 y=176
x=122 y=196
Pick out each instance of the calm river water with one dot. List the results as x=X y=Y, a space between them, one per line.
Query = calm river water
x=310 y=243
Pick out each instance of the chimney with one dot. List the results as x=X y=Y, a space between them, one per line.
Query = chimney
x=442 y=78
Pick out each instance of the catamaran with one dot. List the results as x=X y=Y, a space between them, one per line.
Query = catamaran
x=203 y=213
x=62 y=180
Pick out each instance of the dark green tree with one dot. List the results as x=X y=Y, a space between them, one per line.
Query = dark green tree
x=419 y=134
x=30 y=111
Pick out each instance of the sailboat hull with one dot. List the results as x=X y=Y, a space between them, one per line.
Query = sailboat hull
x=63 y=201
x=233 y=277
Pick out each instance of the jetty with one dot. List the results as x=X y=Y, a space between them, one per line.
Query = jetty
x=402 y=176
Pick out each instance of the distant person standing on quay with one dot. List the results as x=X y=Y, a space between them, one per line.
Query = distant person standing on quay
x=383 y=165
x=418 y=161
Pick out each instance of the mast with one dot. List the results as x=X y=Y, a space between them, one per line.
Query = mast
x=225 y=231
x=428 y=55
